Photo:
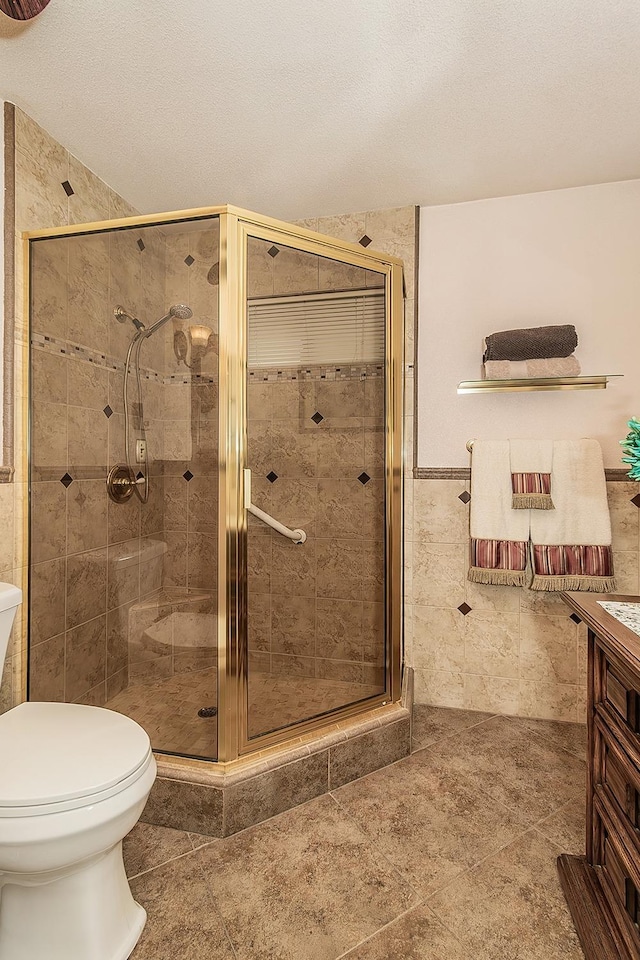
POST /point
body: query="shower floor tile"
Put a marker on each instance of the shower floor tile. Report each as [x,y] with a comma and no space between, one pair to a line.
[342,877]
[168,708]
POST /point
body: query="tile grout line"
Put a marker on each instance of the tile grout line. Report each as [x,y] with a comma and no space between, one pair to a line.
[463,873]
[371,843]
[449,735]
[216,907]
[478,791]
[344,956]
[157,866]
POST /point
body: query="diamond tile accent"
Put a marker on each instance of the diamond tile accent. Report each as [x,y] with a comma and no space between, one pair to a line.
[187,475]
[465,497]
[636,500]
[464,609]
[189,260]
[317,417]
[364,478]
[108,412]
[67,480]
[139,475]
[272,477]
[575,618]
[68,189]
[81,498]
[140,243]
[364,241]
[273,251]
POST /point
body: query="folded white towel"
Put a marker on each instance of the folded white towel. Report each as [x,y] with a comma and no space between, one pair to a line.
[571,545]
[499,534]
[531,474]
[528,369]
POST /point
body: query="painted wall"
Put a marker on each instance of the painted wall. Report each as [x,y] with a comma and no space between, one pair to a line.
[568,256]
[565,256]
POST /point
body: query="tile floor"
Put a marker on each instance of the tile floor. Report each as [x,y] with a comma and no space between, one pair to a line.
[168,708]
[446,855]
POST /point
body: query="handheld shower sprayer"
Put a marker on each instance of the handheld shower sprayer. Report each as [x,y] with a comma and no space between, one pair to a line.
[179,311]
[123,480]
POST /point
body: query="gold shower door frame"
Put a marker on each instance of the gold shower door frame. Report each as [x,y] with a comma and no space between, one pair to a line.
[236,226]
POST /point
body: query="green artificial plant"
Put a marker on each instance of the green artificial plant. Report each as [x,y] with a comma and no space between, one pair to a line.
[631,445]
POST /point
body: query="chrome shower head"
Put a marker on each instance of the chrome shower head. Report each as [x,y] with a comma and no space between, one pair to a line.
[180,311]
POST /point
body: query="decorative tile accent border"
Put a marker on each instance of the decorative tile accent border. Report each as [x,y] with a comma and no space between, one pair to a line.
[612,474]
[364,371]
[66,348]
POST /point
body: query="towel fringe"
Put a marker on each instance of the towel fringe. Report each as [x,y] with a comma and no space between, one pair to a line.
[505,578]
[532,501]
[584,584]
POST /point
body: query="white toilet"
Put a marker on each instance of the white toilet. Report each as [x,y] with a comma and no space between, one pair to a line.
[73,782]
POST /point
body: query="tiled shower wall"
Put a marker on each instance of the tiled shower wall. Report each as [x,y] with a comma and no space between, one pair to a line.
[52,188]
[316,450]
[92,561]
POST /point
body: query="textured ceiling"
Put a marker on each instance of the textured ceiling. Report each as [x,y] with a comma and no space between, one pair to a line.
[297,108]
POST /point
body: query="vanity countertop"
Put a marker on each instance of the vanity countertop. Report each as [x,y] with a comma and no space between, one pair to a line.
[615,633]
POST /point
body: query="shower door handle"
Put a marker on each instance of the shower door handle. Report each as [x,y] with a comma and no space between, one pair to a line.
[298,536]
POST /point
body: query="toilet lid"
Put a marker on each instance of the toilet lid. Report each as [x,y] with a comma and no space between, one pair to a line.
[52,752]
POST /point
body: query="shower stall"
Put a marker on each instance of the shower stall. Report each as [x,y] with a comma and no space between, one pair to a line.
[215,477]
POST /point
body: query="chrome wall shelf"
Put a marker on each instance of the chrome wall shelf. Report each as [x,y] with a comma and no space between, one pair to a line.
[531,384]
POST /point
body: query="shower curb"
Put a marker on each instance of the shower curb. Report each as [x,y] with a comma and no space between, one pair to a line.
[199,797]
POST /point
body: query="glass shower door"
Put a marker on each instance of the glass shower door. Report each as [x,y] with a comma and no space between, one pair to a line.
[316,454]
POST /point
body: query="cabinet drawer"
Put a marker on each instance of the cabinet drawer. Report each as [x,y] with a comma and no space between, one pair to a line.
[620,883]
[621,697]
[621,788]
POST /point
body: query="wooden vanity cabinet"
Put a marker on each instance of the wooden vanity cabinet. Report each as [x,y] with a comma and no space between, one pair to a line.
[603,888]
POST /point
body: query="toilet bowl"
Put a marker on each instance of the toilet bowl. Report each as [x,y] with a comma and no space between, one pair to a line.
[74,780]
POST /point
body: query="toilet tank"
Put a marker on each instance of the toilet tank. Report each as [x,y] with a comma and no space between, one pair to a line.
[10,599]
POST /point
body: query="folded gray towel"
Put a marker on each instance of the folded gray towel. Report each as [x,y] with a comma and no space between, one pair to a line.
[532,343]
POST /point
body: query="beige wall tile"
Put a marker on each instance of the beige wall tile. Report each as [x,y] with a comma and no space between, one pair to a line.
[440,688]
[395,223]
[626,566]
[439,516]
[438,574]
[347,226]
[493,694]
[492,644]
[548,701]
[548,649]
[439,639]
